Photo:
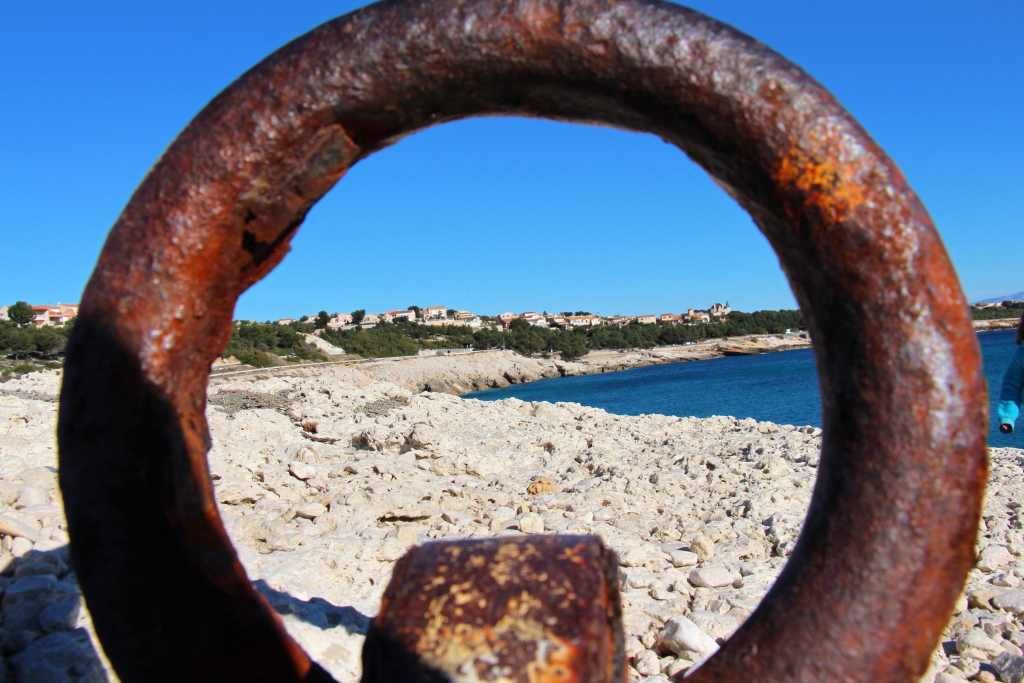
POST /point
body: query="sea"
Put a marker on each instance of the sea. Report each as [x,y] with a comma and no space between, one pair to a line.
[774,387]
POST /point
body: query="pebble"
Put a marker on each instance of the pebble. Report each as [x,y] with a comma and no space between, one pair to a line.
[684,558]
[975,640]
[301,470]
[703,547]
[531,523]
[17,529]
[647,663]
[682,635]
[712,577]
[30,496]
[61,616]
[993,557]
[1011,601]
[1009,667]
[311,510]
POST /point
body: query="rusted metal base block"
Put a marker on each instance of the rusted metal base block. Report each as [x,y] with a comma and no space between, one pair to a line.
[537,609]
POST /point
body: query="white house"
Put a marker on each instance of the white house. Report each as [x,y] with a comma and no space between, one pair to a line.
[720,311]
[434,312]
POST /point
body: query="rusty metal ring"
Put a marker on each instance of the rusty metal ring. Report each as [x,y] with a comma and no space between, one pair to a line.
[890,533]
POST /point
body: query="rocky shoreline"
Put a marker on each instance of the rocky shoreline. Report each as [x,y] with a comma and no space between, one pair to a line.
[324,480]
[459,374]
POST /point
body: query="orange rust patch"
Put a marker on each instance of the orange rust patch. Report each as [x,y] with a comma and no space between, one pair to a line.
[825,183]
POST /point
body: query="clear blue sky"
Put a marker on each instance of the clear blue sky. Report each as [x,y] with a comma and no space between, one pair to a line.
[501,214]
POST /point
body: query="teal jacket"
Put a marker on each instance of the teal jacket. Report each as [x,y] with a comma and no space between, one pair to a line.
[1013,385]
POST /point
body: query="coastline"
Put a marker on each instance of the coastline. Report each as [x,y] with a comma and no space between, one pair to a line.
[495,369]
[480,370]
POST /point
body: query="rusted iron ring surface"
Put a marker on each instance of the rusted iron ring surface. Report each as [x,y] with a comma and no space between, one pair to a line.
[889,537]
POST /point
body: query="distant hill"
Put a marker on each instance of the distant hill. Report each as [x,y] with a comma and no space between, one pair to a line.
[1019,296]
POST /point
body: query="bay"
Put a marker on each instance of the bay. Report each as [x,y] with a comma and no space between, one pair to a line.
[775,387]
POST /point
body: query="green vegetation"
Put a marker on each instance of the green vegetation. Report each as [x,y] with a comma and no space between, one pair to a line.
[1009,309]
[21,343]
[404,338]
[255,344]
[382,341]
[21,314]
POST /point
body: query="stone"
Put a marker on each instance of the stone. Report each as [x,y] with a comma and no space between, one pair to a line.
[1006,581]
[453,517]
[390,550]
[408,534]
[1011,601]
[16,641]
[65,657]
[1009,667]
[677,666]
[30,496]
[642,556]
[683,558]
[37,569]
[711,577]
[285,542]
[301,470]
[28,589]
[17,528]
[944,677]
[647,663]
[967,665]
[633,646]
[975,639]
[718,626]
[500,514]
[311,511]
[703,547]
[980,598]
[682,635]
[531,523]
[236,491]
[542,485]
[61,616]
[993,557]
[21,547]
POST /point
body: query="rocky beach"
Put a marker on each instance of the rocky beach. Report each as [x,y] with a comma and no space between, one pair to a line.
[326,475]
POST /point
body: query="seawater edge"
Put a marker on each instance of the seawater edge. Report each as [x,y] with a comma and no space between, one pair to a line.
[595,362]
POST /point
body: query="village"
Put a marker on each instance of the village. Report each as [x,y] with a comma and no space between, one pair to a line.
[439,315]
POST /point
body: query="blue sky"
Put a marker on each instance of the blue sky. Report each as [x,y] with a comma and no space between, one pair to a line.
[501,214]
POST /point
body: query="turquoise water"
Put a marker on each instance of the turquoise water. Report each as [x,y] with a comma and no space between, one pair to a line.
[775,387]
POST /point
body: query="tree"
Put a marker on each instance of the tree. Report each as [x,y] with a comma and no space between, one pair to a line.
[518,325]
[21,314]
[21,342]
[416,311]
[357,316]
[321,320]
[452,312]
[48,341]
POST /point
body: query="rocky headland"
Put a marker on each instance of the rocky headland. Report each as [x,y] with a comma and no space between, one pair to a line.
[326,477]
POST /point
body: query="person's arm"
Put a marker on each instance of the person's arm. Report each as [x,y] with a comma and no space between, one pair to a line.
[1010,393]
